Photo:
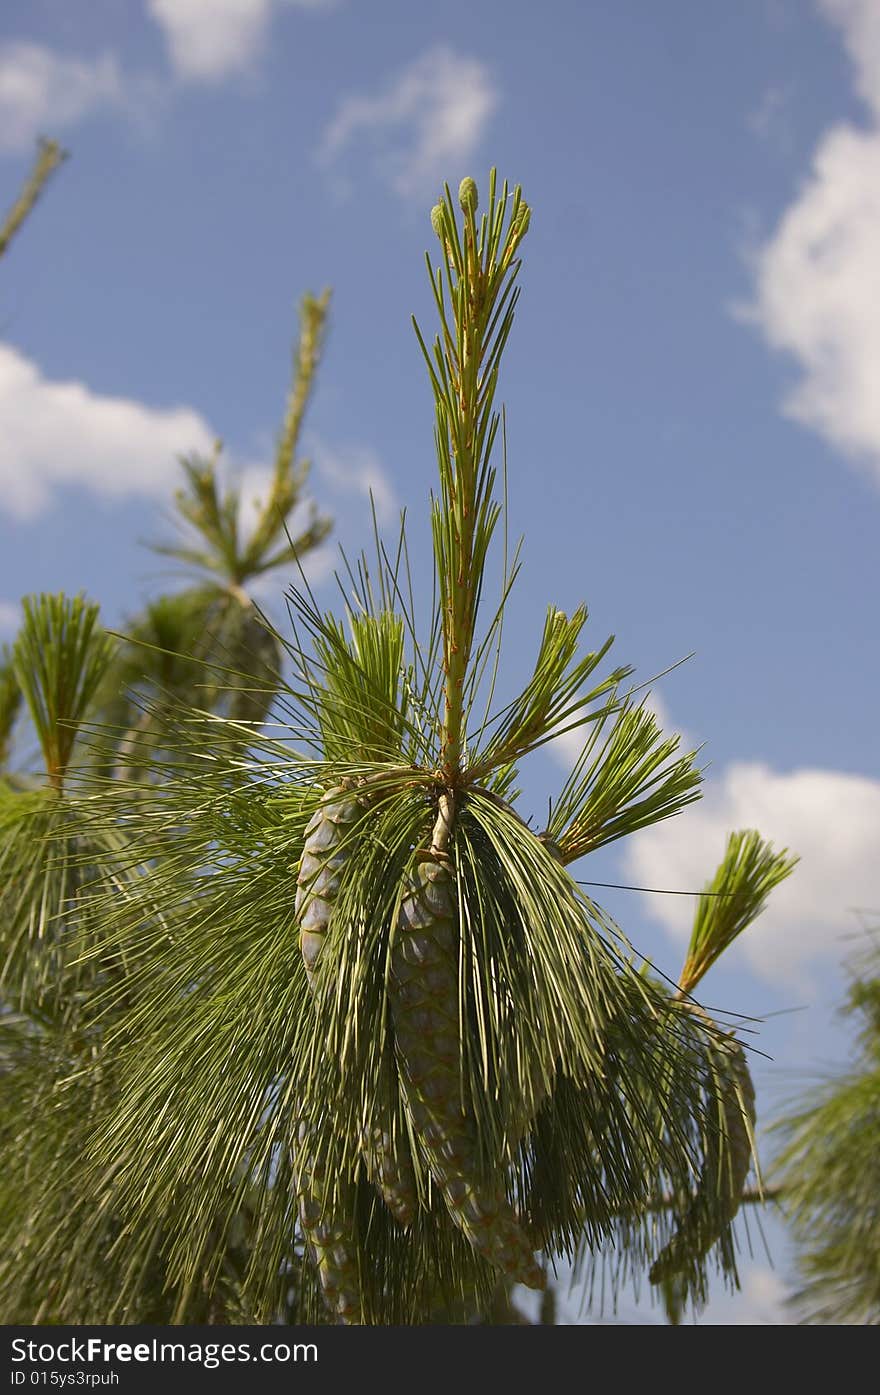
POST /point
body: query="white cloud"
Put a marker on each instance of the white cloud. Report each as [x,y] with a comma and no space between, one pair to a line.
[42,92]
[252,482]
[422,128]
[566,748]
[764,1295]
[356,470]
[771,118]
[817,279]
[62,433]
[761,1301]
[832,820]
[860,22]
[10,614]
[209,39]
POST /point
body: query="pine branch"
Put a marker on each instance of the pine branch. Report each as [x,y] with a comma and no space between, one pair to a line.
[290,474]
[478,274]
[827,1165]
[734,898]
[49,157]
[624,780]
[60,659]
[552,700]
[10,703]
[751,1196]
[212,512]
[340,992]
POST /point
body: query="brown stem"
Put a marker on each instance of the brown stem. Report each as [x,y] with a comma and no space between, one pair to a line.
[752,1196]
[443,826]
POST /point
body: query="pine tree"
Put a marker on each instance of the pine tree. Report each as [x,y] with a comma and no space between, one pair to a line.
[828,1171]
[211,637]
[357,1044]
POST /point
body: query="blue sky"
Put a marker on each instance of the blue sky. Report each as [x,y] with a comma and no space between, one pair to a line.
[693,410]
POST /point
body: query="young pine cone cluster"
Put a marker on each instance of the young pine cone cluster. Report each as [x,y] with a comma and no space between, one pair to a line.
[422,1087]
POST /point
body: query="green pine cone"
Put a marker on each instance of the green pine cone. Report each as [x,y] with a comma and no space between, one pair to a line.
[385,1150]
[424,971]
[328,1233]
[326,849]
[467,195]
[317,884]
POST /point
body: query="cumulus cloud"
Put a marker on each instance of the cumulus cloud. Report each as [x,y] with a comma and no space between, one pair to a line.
[831,819]
[817,278]
[63,433]
[209,39]
[761,1301]
[42,91]
[771,117]
[422,126]
[860,22]
[253,482]
[356,470]
[565,748]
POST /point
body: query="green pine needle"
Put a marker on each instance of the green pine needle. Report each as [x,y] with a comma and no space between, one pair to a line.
[60,659]
[732,900]
[49,157]
[626,778]
[212,513]
[10,704]
[827,1167]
